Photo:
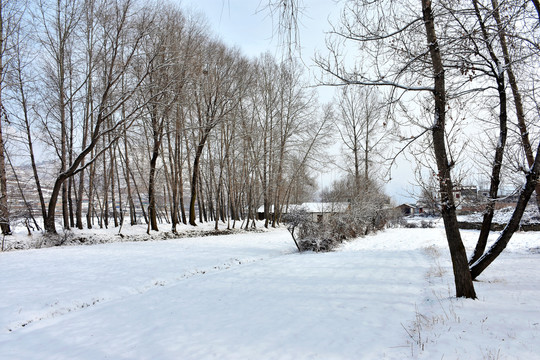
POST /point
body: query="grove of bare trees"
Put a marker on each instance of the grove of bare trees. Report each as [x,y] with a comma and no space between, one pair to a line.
[129,112]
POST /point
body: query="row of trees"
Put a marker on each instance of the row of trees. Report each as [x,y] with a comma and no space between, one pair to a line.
[132,106]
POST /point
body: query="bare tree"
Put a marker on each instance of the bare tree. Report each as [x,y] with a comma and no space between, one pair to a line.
[160,97]
[460,51]
[283,108]
[495,12]
[359,126]
[296,113]
[10,16]
[412,50]
[502,28]
[21,87]
[499,77]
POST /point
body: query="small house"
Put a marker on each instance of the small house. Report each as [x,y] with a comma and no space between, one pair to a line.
[410,210]
[322,211]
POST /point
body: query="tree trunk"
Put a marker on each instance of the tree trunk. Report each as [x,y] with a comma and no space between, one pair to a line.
[537,7]
[126,169]
[88,113]
[499,151]
[113,186]
[105,190]
[4,210]
[462,276]
[29,140]
[152,213]
[71,180]
[195,177]
[172,179]
[90,209]
[117,175]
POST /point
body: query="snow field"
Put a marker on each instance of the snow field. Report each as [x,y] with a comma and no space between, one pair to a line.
[67,278]
[503,323]
[251,296]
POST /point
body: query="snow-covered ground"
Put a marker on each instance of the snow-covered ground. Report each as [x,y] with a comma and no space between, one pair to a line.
[251,296]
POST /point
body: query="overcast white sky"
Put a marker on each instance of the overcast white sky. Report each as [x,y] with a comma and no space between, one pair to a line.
[247,25]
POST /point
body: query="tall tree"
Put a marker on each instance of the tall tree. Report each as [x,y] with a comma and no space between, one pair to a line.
[499,77]
[59,23]
[502,28]
[10,15]
[462,276]
[412,62]
[359,110]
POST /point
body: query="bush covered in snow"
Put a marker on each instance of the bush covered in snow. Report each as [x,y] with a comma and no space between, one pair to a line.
[366,209]
[423,224]
[309,235]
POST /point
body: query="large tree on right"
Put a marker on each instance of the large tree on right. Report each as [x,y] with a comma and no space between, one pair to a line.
[429,56]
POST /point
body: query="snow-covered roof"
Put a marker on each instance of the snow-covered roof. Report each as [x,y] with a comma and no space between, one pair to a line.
[261,209]
[408,205]
[324,207]
[313,207]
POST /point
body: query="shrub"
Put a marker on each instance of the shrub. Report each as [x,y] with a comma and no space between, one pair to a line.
[326,236]
[424,224]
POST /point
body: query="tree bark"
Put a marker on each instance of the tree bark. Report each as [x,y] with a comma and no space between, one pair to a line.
[157,131]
